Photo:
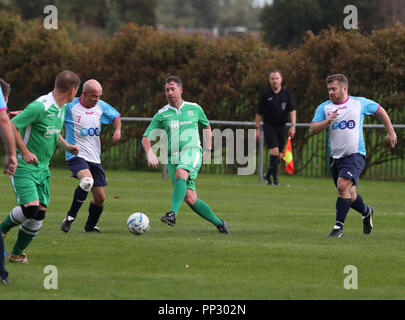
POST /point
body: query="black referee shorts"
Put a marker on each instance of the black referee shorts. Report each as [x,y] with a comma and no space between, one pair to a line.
[275,136]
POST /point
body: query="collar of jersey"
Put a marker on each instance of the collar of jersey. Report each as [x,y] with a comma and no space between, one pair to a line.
[52,99]
[175,109]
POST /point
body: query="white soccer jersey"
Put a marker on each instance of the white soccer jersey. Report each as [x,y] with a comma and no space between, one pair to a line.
[83,128]
[345,134]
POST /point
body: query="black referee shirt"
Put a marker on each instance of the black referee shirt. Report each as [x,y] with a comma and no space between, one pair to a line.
[275,108]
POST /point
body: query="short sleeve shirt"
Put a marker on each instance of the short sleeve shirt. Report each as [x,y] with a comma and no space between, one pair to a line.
[345,134]
[180,126]
[83,128]
[40,124]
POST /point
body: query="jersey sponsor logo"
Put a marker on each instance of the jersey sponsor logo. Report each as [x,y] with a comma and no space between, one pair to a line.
[50,131]
[84,132]
[283,105]
[174,124]
[185,122]
[351,124]
[89,113]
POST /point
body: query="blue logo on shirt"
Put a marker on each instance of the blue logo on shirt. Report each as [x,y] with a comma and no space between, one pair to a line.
[351,124]
[84,132]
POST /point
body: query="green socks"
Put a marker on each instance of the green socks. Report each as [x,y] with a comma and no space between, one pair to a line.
[204,211]
[200,207]
[26,234]
[179,192]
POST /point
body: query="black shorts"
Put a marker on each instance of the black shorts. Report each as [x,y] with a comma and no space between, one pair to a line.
[97,171]
[348,167]
[275,136]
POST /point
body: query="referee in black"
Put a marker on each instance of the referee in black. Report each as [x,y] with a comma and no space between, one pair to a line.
[275,105]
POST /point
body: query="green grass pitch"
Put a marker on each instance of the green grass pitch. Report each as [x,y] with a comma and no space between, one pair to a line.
[277,249]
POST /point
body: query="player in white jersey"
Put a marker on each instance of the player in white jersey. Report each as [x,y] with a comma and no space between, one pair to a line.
[84,117]
[342,118]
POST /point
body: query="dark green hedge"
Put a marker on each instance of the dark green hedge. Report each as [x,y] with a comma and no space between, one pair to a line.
[224,75]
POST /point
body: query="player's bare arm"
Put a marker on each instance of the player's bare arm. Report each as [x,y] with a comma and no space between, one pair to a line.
[258,121]
[318,127]
[153,161]
[293,120]
[10,164]
[117,131]
[382,115]
[73,149]
[207,136]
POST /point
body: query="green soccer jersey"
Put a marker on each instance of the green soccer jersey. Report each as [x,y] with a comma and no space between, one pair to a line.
[180,125]
[40,125]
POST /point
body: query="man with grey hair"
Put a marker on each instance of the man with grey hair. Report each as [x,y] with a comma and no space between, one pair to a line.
[84,117]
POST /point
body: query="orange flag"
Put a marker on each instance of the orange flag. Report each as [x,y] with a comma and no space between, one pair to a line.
[288,157]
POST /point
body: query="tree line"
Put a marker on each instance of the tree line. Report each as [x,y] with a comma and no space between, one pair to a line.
[283,23]
[224,75]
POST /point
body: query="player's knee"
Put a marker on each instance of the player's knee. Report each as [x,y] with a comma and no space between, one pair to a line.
[190,198]
[30,211]
[40,215]
[86,183]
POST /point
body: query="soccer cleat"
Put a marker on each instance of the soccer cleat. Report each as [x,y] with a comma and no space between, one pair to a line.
[276,182]
[267,179]
[18,258]
[94,229]
[223,228]
[368,221]
[336,232]
[5,280]
[169,218]
[67,223]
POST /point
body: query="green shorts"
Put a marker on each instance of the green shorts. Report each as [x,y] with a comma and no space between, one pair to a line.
[190,160]
[30,186]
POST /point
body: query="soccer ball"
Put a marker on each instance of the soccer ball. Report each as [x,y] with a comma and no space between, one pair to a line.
[138,223]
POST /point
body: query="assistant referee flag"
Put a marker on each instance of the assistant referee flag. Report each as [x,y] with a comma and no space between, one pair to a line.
[288,157]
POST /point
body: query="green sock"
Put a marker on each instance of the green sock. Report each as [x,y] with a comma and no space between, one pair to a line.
[26,234]
[179,192]
[7,224]
[204,211]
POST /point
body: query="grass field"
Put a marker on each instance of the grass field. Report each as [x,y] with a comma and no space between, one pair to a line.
[277,249]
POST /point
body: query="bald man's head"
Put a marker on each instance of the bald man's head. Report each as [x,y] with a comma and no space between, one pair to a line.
[91,94]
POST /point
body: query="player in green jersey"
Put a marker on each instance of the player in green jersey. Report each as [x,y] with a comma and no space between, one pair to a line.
[179,121]
[37,131]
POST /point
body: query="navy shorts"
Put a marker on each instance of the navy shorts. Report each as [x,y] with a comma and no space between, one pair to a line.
[275,136]
[348,167]
[97,171]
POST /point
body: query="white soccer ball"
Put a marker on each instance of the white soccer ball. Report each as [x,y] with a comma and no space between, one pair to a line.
[138,223]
